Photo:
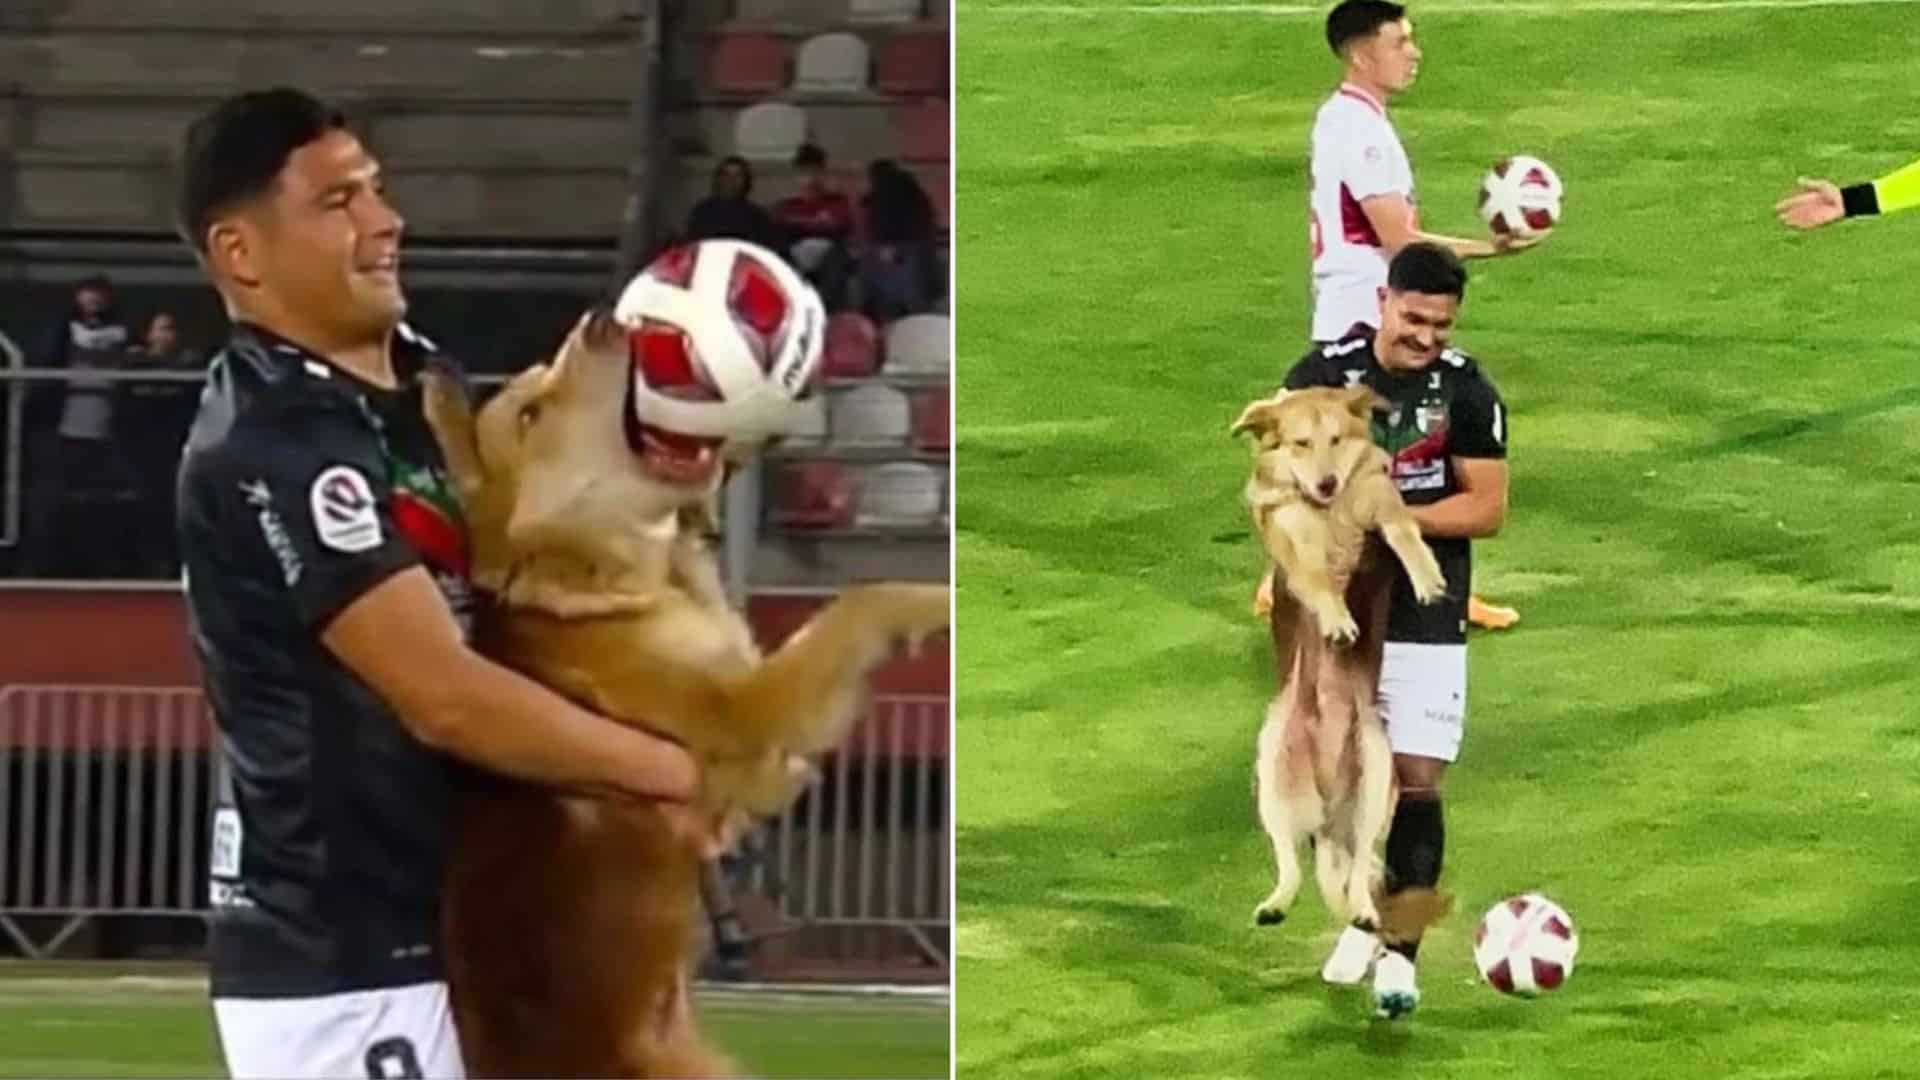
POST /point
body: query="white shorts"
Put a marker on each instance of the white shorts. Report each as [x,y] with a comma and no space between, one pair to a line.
[402,1031]
[1423,698]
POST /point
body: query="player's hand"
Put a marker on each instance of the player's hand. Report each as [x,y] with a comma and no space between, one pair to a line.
[1514,243]
[1817,203]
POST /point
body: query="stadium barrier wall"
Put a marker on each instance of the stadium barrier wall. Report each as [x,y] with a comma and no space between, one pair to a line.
[106,793]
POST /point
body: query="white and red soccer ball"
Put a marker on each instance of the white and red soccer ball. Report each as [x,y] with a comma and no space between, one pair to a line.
[726,340]
[1525,945]
[1521,196]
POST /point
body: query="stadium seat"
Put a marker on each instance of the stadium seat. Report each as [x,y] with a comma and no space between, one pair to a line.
[883,11]
[871,415]
[920,345]
[769,132]
[912,64]
[933,419]
[920,131]
[811,495]
[852,348]
[831,64]
[899,494]
[749,64]
[811,428]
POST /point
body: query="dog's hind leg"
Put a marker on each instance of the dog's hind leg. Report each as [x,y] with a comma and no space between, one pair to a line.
[1332,860]
[1276,816]
[1369,818]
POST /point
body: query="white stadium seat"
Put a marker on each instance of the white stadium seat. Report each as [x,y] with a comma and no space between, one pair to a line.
[899,494]
[872,415]
[769,132]
[831,64]
[920,345]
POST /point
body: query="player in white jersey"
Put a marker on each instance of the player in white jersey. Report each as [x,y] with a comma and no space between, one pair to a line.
[1362,209]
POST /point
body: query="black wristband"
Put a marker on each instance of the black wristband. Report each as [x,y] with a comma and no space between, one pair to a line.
[1859,200]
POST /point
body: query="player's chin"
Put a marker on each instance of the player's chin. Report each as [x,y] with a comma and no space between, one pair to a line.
[380,301]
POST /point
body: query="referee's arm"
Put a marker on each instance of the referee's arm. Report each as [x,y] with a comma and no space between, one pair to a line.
[1894,191]
[1821,202]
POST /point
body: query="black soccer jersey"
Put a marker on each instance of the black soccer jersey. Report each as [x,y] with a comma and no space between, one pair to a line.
[1448,410]
[302,488]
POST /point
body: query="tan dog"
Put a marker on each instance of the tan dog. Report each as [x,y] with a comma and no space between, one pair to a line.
[1323,769]
[570,921]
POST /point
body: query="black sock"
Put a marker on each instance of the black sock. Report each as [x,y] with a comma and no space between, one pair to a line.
[1414,847]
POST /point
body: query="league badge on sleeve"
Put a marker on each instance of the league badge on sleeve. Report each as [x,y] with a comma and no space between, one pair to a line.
[345,513]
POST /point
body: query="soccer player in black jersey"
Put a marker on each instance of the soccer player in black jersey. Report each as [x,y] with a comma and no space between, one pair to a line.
[1446,429]
[325,573]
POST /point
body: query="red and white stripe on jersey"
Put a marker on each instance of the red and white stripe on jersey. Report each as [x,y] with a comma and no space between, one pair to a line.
[1355,155]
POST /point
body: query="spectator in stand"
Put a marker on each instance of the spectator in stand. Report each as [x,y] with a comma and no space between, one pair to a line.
[156,416]
[729,211]
[898,274]
[818,228]
[79,477]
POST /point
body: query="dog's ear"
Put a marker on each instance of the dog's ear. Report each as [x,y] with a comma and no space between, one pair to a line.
[1362,400]
[450,418]
[1258,415]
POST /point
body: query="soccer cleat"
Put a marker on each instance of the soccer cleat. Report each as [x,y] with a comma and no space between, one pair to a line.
[1352,955]
[1490,616]
[1394,992]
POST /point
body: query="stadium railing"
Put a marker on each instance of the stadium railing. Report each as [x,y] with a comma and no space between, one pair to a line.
[106,793]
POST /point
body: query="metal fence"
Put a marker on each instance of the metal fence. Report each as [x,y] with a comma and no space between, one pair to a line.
[106,794]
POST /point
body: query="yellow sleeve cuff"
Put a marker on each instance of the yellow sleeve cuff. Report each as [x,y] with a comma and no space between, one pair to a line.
[1898,190]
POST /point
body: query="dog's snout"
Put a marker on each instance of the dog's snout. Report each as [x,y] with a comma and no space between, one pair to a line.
[1329,485]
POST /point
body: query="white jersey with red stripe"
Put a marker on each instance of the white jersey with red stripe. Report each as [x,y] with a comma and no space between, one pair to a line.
[1356,155]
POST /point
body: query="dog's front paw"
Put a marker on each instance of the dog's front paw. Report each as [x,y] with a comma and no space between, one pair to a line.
[1337,625]
[911,614]
[1429,587]
[1268,915]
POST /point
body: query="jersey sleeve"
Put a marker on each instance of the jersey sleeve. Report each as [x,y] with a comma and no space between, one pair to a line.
[1479,421]
[310,506]
[1367,157]
[1310,370]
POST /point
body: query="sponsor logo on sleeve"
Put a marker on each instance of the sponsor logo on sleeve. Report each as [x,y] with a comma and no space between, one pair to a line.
[345,514]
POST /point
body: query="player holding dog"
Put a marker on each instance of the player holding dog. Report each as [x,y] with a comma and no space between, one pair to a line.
[325,587]
[1445,428]
[1362,209]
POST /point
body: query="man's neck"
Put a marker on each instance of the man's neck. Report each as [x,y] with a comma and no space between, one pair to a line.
[1366,86]
[369,361]
[372,363]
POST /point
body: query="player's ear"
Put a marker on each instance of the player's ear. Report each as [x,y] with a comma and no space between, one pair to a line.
[1258,416]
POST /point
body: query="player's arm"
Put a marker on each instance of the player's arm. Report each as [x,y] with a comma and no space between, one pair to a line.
[311,519]
[402,641]
[1392,219]
[1474,512]
[1477,451]
[1821,202]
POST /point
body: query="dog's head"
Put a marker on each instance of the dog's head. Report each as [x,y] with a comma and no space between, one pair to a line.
[557,459]
[1312,439]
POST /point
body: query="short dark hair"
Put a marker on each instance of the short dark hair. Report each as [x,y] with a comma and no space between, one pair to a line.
[809,156]
[1352,20]
[93,282]
[1424,267]
[236,152]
